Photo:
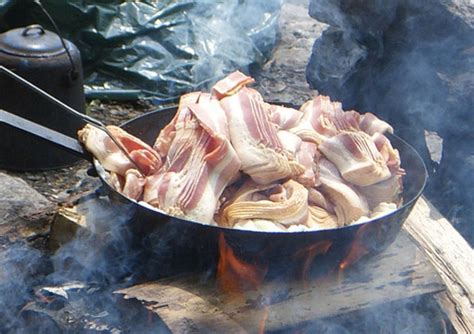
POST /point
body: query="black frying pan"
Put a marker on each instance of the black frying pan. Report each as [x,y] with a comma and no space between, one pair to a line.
[278,250]
[282,251]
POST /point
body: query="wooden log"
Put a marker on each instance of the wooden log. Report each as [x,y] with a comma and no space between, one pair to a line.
[182,308]
[453,259]
[400,272]
[66,223]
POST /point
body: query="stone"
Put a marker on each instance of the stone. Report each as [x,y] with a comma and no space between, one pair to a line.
[25,214]
[411,62]
[25,223]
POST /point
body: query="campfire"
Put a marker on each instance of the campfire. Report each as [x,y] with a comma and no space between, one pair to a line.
[296,214]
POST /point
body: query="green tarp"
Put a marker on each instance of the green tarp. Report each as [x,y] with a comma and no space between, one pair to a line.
[156,49]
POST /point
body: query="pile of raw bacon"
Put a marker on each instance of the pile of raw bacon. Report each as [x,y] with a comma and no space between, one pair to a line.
[231,159]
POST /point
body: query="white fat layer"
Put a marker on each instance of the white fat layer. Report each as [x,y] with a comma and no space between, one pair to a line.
[290,141]
[261,225]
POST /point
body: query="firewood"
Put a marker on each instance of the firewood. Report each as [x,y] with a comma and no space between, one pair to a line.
[453,259]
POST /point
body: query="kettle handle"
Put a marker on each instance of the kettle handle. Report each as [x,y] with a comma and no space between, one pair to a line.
[74,74]
[37,27]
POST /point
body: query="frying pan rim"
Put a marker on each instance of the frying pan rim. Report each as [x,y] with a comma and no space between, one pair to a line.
[101,172]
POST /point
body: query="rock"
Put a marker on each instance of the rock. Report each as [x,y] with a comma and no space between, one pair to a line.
[412,63]
[25,215]
[25,222]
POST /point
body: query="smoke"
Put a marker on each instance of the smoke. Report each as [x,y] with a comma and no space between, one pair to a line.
[417,315]
[415,71]
[72,289]
[231,35]
[20,268]
[102,252]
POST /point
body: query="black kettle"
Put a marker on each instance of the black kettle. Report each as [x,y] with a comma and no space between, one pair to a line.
[39,56]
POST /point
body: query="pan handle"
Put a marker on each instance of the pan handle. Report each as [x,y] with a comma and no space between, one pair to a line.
[64,142]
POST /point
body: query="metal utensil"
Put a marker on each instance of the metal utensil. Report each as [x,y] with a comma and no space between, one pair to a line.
[70,144]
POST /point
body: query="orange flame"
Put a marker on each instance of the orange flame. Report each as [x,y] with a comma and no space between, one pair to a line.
[235,276]
[358,249]
[263,321]
[308,254]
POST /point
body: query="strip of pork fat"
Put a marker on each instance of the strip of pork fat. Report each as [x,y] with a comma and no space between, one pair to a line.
[387,191]
[231,84]
[323,119]
[124,177]
[255,139]
[283,204]
[285,118]
[356,157]
[371,124]
[111,157]
[167,134]
[349,205]
[200,162]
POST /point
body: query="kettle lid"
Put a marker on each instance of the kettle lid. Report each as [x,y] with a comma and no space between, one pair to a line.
[32,41]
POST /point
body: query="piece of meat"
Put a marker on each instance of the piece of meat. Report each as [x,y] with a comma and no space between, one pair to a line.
[260,225]
[166,136]
[116,181]
[111,157]
[390,155]
[255,139]
[357,158]
[316,198]
[285,204]
[131,185]
[311,114]
[387,191]
[383,209]
[290,142]
[349,205]
[231,84]
[284,117]
[321,219]
[371,124]
[308,156]
[200,162]
[323,119]
[134,183]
